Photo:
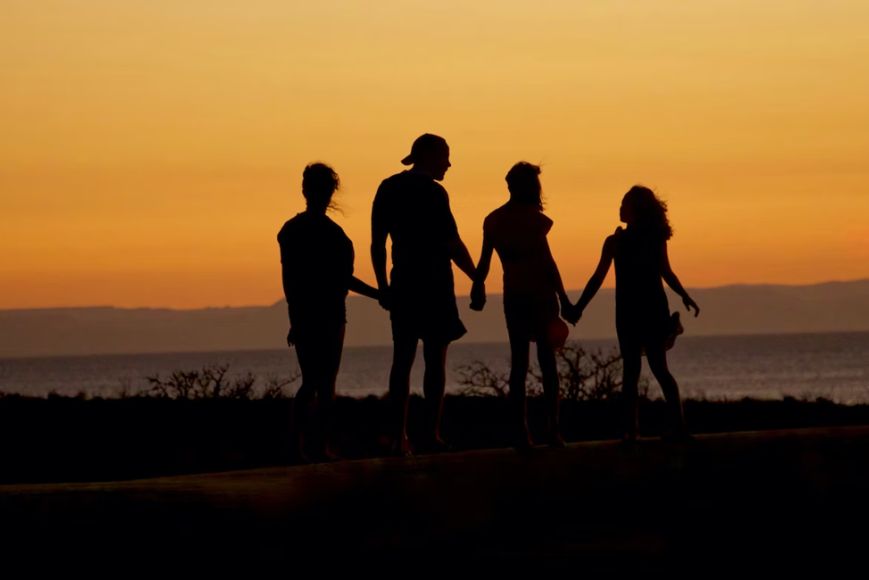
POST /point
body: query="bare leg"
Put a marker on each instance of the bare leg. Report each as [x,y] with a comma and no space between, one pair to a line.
[331,359]
[433,384]
[657,357]
[319,359]
[403,354]
[519,350]
[304,397]
[631,365]
[549,370]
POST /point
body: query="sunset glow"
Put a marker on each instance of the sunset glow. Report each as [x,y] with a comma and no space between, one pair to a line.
[152,149]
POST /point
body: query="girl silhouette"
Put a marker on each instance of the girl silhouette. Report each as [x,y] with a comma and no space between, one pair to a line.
[317,272]
[643,320]
[532,290]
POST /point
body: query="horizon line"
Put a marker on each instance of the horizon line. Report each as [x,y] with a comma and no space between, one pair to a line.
[280,300]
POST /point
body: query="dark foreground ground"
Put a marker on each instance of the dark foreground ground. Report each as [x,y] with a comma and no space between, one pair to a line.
[62,439]
[731,503]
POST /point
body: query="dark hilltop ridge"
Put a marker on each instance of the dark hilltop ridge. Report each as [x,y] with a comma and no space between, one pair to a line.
[727,310]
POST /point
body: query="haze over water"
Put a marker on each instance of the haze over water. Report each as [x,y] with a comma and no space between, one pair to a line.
[832,366]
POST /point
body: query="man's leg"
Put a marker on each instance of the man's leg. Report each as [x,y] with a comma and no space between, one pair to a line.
[434,383]
[403,353]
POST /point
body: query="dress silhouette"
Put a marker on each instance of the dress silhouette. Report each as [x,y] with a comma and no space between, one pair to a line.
[644,324]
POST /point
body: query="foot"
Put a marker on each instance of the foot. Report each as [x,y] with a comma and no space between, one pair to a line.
[327,455]
[401,448]
[522,438]
[679,436]
[556,441]
[438,445]
[301,455]
[629,439]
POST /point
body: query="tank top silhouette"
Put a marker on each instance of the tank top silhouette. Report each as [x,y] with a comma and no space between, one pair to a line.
[518,233]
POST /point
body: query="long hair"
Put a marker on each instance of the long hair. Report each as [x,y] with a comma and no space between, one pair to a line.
[649,212]
[523,181]
[319,183]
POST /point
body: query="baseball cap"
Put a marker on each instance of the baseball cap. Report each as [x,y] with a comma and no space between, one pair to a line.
[423,145]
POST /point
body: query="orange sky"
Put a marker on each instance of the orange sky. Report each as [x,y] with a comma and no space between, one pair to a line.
[152,149]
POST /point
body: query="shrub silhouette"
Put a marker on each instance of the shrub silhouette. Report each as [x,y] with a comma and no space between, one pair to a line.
[213,382]
[582,375]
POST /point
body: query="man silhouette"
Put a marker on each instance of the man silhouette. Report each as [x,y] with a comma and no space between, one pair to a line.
[413,209]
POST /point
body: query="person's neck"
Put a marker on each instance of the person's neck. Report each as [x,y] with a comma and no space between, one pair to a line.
[422,171]
[315,210]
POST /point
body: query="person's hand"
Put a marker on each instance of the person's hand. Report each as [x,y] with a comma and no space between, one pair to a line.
[566,308]
[576,314]
[478,296]
[291,338]
[570,313]
[384,298]
[689,304]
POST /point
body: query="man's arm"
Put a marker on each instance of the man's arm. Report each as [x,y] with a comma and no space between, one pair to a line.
[379,232]
[478,290]
[460,255]
[360,287]
[285,283]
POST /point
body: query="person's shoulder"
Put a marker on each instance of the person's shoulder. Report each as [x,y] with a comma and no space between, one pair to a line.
[495,217]
[290,226]
[397,180]
[499,212]
[437,186]
[531,218]
[336,229]
[613,239]
[391,185]
[331,224]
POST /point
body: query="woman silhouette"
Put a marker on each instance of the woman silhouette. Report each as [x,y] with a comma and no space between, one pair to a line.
[317,272]
[643,320]
[532,290]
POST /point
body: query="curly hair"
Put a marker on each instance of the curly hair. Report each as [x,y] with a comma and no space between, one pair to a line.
[649,211]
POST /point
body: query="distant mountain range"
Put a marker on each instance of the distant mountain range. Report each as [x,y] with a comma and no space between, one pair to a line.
[738,309]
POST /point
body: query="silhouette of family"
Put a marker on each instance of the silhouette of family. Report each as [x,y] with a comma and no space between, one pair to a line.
[412,209]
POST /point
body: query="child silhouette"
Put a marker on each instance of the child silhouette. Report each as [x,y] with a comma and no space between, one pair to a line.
[643,319]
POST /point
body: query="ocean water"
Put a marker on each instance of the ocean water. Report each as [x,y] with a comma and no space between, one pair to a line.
[830,365]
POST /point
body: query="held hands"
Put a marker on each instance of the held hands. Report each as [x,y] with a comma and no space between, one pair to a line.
[569,312]
[384,298]
[478,296]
